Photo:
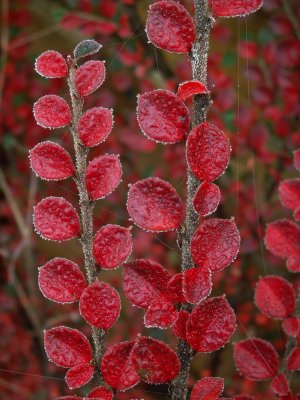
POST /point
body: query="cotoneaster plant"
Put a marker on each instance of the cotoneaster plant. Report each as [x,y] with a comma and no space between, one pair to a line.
[255,358]
[202,323]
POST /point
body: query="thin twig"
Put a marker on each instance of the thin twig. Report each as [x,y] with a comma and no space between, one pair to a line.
[199,55]
[86,206]
[14,207]
[4,44]
[292,17]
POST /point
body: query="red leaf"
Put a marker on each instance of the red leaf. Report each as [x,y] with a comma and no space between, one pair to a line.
[170,27]
[61,280]
[51,161]
[179,327]
[280,385]
[297,159]
[293,361]
[208,152]
[112,246]
[234,8]
[197,284]
[296,214]
[52,111]
[161,314]
[100,305]
[67,347]
[56,219]
[210,325]
[293,264]
[206,199]
[117,368]
[162,116]
[175,290]
[101,393]
[68,398]
[154,361]
[275,297]
[103,175]
[207,389]
[79,375]
[144,281]
[191,88]
[95,125]
[51,64]
[289,193]
[215,243]
[89,77]
[154,205]
[283,238]
[256,359]
[291,326]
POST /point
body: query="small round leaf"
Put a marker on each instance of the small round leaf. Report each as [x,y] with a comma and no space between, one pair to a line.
[51,64]
[154,205]
[52,111]
[170,27]
[100,305]
[67,347]
[56,219]
[112,246]
[89,77]
[103,176]
[61,280]
[95,125]
[51,161]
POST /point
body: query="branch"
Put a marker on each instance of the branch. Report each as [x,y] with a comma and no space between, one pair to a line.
[199,55]
[86,206]
[292,17]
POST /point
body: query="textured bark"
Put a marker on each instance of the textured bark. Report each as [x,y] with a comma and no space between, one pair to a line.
[86,207]
[199,55]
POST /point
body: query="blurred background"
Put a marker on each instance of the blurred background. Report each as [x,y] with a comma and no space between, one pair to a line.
[254,78]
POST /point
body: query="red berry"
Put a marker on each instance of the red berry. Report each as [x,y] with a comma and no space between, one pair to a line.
[79,375]
[112,246]
[144,281]
[162,116]
[100,305]
[51,161]
[191,88]
[255,359]
[56,219]
[89,77]
[154,205]
[197,284]
[154,361]
[67,347]
[275,297]
[234,8]
[95,125]
[170,27]
[208,152]
[51,64]
[52,111]
[206,199]
[117,368]
[210,325]
[208,388]
[103,176]
[215,243]
[61,280]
